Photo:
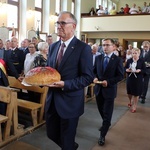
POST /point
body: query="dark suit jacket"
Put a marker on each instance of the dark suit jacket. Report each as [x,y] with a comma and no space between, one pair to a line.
[113,74]
[76,70]
[9,65]
[18,58]
[146,59]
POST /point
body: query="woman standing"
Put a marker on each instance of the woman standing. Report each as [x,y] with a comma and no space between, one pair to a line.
[28,63]
[135,67]
[41,59]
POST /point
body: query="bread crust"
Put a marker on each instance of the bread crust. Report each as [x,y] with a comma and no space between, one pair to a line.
[42,76]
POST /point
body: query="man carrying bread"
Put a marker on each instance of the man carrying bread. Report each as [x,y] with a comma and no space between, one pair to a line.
[65,99]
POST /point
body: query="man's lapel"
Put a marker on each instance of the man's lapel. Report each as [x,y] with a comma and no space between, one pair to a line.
[56,49]
[68,51]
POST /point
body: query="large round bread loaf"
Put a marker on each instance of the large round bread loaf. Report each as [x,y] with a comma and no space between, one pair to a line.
[42,76]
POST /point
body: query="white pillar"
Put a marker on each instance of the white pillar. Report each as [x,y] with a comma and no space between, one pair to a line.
[46,14]
[78,16]
[66,5]
[22,20]
[52,17]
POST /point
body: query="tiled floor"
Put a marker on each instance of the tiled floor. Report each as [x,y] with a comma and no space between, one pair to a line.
[90,121]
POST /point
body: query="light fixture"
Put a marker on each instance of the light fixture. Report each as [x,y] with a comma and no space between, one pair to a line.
[54,17]
[97,27]
[30,12]
[56,14]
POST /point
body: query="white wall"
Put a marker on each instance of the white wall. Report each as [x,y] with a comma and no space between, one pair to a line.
[116,23]
[86,5]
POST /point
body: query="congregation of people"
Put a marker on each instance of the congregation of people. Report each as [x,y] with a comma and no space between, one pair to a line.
[110,65]
[31,53]
[129,56]
[136,67]
[134,9]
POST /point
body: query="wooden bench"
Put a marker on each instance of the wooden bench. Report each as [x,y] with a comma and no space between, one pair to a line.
[91,88]
[36,110]
[9,97]
[31,107]
[3,119]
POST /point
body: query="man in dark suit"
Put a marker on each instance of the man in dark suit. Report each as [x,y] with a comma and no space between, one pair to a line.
[5,63]
[65,99]
[145,54]
[26,44]
[108,70]
[17,56]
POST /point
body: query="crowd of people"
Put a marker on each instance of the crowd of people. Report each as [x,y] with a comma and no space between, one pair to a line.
[19,60]
[79,65]
[123,10]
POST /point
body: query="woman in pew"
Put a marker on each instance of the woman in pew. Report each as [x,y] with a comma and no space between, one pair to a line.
[28,65]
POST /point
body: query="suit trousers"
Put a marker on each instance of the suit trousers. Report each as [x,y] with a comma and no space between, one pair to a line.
[105,107]
[61,131]
[145,86]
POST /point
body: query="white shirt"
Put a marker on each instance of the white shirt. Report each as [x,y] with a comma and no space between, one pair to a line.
[100,12]
[28,63]
[133,10]
[67,43]
[109,55]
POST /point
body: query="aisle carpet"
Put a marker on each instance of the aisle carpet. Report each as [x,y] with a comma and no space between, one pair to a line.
[20,146]
[130,132]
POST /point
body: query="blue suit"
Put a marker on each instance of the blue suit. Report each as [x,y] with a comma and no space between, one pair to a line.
[105,96]
[76,70]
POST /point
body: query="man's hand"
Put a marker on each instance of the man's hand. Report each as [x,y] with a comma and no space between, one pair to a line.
[20,78]
[59,84]
[104,83]
[138,70]
[95,80]
[128,70]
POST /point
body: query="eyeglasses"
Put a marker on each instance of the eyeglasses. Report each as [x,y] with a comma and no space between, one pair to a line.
[31,47]
[106,45]
[62,23]
[145,46]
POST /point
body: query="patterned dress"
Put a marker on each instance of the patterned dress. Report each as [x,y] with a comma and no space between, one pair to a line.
[39,61]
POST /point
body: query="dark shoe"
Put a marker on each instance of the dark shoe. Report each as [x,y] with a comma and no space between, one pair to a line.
[76,145]
[143,101]
[101,141]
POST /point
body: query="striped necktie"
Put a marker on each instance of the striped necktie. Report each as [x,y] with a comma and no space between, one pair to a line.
[105,62]
[60,54]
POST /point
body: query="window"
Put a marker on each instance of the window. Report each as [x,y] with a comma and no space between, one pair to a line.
[57,9]
[13,17]
[38,3]
[73,7]
[38,14]
[98,2]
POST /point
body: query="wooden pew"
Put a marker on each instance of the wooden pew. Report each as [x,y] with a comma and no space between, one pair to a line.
[35,109]
[91,88]
[9,97]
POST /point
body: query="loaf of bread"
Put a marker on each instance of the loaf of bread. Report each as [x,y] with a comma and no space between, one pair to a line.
[42,76]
